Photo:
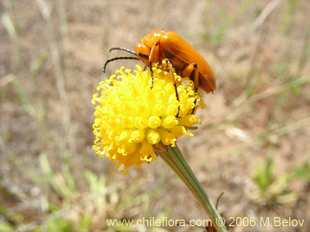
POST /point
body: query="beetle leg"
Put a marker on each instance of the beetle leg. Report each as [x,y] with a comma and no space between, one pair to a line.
[178,99]
[154,54]
[153,58]
[192,72]
[196,77]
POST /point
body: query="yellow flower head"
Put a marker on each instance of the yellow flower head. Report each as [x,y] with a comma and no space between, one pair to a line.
[135,110]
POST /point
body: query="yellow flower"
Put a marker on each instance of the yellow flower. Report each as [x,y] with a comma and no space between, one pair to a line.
[135,110]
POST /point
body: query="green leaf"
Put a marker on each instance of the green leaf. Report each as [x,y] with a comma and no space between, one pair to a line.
[96,185]
[59,225]
[264,176]
[6,227]
[302,172]
[85,223]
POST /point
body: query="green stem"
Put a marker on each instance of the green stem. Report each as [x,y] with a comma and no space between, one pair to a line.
[174,158]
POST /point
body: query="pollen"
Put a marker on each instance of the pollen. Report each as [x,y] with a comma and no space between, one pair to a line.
[137,109]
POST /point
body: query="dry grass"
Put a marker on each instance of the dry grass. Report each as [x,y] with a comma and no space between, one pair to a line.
[51,56]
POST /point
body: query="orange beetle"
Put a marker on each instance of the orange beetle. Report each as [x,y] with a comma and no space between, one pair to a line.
[187,62]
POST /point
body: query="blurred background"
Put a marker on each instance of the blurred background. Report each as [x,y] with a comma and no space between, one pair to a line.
[253,144]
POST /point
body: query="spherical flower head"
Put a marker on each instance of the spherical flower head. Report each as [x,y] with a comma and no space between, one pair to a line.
[135,110]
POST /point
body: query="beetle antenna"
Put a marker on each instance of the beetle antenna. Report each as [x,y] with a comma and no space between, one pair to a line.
[123,49]
[118,58]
